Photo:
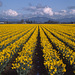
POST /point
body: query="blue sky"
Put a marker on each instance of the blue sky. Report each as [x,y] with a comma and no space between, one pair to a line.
[26,8]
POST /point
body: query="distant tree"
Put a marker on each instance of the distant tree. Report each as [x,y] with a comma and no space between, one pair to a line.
[51,22]
[71,22]
[6,22]
[22,21]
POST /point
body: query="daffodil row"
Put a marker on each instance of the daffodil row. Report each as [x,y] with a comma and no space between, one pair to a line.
[67,53]
[11,40]
[8,36]
[52,60]
[67,29]
[23,62]
[7,53]
[4,30]
[68,41]
[55,29]
[7,29]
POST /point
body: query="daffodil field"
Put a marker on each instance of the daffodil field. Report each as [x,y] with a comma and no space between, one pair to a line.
[37,49]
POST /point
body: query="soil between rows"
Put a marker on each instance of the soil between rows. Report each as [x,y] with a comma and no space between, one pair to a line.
[38,60]
[8,70]
[69,69]
[61,40]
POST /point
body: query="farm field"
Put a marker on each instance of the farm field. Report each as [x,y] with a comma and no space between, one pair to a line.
[37,49]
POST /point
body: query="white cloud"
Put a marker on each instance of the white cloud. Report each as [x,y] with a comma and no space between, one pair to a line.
[62,13]
[72,11]
[39,10]
[42,10]
[48,10]
[10,12]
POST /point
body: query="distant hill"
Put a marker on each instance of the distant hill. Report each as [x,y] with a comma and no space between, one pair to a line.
[45,19]
[3,19]
[39,19]
[66,20]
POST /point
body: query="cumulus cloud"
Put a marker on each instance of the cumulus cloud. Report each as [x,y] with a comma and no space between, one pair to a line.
[0,3]
[44,11]
[33,8]
[72,11]
[10,12]
[62,13]
[48,10]
[39,9]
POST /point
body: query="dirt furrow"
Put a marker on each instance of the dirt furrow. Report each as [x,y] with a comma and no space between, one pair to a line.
[38,60]
[69,69]
[61,40]
[8,70]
